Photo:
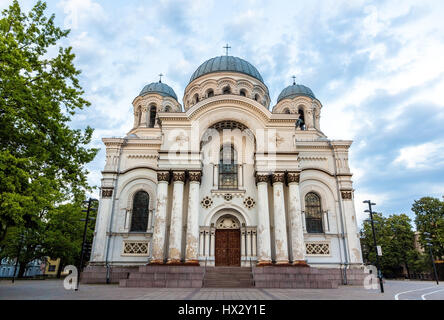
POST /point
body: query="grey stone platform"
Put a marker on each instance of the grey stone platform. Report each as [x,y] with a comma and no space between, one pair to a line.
[167,276]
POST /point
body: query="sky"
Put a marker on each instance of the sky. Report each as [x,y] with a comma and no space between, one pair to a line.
[376,66]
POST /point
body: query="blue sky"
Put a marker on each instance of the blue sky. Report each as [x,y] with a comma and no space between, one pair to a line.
[377,67]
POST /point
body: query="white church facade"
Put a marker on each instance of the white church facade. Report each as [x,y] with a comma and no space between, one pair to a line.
[226,179]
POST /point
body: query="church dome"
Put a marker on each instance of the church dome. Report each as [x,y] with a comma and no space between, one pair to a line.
[226,63]
[159,88]
[296,90]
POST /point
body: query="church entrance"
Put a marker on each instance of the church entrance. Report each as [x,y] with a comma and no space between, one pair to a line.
[227,244]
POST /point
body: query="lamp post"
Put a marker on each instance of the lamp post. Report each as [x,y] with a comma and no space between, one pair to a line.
[370,204]
[429,244]
[82,254]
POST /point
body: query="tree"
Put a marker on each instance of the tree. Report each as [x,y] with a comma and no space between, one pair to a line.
[396,238]
[429,217]
[41,158]
[64,234]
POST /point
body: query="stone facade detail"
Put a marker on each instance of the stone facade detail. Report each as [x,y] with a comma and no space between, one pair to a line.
[346,194]
[163,176]
[107,192]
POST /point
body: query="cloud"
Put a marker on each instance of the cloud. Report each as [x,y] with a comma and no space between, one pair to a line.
[429,155]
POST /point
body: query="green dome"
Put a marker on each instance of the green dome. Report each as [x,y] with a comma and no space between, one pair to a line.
[160,88]
[226,63]
[296,90]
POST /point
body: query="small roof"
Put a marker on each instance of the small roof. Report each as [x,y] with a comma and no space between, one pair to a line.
[296,90]
[160,88]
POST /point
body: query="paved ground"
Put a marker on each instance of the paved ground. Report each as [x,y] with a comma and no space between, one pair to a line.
[54,290]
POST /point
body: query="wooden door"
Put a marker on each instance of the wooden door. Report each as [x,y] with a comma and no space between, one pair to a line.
[227,247]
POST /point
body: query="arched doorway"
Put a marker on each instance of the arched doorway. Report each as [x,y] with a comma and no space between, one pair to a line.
[228,241]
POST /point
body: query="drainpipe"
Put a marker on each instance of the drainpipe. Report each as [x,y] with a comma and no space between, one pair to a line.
[340,211]
[112,213]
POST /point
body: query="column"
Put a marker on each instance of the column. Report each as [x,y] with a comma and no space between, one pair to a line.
[174,253]
[248,243]
[212,239]
[243,244]
[160,218]
[351,227]
[294,212]
[192,239]
[263,227]
[254,244]
[201,243]
[280,226]
[207,242]
[325,222]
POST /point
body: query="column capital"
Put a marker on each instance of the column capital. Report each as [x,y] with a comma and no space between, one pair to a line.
[278,177]
[293,177]
[163,176]
[195,176]
[179,176]
[262,178]
[346,194]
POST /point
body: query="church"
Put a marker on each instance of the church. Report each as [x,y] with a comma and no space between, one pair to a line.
[228,179]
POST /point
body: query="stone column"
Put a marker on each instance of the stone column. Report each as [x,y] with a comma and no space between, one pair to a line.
[248,243]
[207,242]
[192,244]
[201,243]
[263,226]
[280,226]
[351,227]
[174,253]
[294,212]
[212,239]
[254,244]
[243,243]
[160,218]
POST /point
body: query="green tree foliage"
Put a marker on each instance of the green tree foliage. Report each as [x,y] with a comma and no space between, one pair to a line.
[41,158]
[59,234]
[397,240]
[429,217]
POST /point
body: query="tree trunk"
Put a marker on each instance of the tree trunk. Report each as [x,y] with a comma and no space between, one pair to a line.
[59,270]
[22,269]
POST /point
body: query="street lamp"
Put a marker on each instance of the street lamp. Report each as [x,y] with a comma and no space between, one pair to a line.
[370,204]
[82,254]
[429,244]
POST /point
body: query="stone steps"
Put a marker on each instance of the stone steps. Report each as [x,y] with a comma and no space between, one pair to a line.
[228,277]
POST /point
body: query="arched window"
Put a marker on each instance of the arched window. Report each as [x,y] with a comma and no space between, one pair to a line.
[287,111]
[301,120]
[167,109]
[227,167]
[196,98]
[152,117]
[139,219]
[210,93]
[313,213]
[139,116]
[226,90]
[243,93]
[256,97]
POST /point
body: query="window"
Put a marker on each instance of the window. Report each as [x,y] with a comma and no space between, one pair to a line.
[313,213]
[196,98]
[167,109]
[227,168]
[210,93]
[301,121]
[139,115]
[139,220]
[226,90]
[51,268]
[152,117]
[243,93]
[287,111]
[256,97]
